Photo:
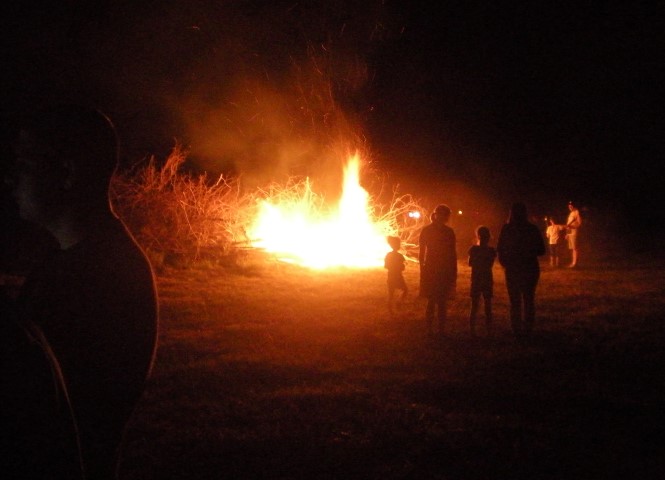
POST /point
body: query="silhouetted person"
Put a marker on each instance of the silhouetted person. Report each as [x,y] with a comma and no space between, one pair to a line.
[38,436]
[395,263]
[519,246]
[438,267]
[573,223]
[95,298]
[481,260]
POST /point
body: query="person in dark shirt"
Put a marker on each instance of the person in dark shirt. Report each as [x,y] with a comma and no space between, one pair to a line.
[519,246]
[481,260]
[438,267]
[94,298]
[394,262]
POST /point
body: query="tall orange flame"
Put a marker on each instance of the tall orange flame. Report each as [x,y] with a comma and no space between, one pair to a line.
[345,236]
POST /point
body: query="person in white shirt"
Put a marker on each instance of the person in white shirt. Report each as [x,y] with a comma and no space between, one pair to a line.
[573,224]
[554,236]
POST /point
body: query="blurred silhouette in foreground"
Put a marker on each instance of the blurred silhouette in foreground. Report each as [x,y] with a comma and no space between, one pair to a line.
[519,246]
[38,436]
[94,299]
[438,267]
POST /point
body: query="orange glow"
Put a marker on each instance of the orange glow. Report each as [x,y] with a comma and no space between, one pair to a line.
[299,230]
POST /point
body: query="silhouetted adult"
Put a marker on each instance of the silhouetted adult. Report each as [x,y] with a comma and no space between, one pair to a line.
[95,298]
[38,436]
[438,266]
[519,246]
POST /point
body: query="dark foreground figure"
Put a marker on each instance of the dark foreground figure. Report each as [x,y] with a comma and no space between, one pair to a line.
[438,267]
[94,299]
[519,246]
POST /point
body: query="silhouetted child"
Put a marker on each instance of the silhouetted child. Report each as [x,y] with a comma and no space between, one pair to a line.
[395,264]
[554,233]
[481,260]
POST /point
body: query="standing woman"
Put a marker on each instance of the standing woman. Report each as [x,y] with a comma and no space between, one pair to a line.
[519,246]
[438,267]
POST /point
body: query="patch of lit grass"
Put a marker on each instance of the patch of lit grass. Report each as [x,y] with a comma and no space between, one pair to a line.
[292,373]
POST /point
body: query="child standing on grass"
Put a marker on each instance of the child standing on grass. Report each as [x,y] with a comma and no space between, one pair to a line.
[395,264]
[554,234]
[481,260]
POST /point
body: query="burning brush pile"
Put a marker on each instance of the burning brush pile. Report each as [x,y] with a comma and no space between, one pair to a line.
[176,214]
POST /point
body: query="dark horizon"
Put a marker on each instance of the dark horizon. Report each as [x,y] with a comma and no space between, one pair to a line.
[537,102]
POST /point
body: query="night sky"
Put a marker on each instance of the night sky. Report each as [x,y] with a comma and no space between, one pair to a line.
[538,101]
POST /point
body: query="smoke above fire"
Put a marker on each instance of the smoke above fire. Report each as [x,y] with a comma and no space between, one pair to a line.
[268,131]
[262,90]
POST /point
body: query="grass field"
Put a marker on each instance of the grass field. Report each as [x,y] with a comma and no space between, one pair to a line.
[267,370]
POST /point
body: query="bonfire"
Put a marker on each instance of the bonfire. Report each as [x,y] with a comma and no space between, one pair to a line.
[174,212]
[301,228]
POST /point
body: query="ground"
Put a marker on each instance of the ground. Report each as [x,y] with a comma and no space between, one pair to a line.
[267,370]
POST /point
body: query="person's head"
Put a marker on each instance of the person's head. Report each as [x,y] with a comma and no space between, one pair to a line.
[551,221]
[518,213]
[442,213]
[483,235]
[394,242]
[571,205]
[65,157]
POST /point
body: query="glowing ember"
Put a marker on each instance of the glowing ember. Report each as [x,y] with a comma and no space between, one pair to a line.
[347,236]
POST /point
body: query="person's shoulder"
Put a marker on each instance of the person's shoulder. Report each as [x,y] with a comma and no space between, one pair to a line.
[504,230]
[447,231]
[533,229]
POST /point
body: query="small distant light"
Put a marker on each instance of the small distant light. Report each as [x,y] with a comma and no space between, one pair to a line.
[459,212]
[414,214]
